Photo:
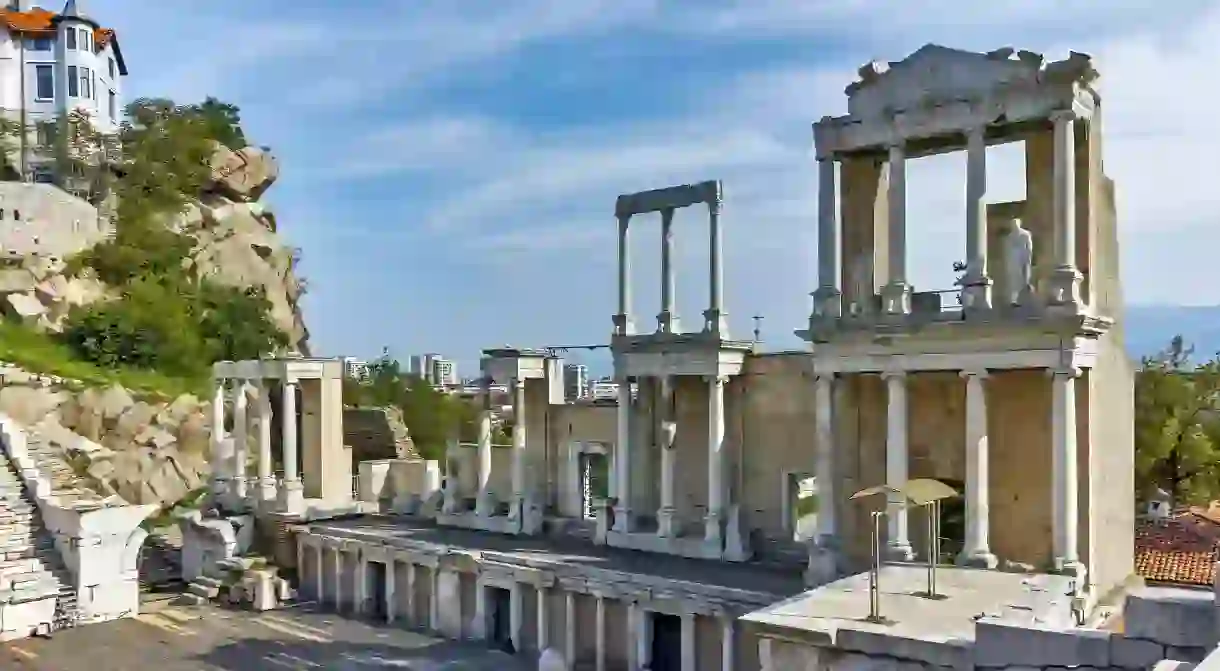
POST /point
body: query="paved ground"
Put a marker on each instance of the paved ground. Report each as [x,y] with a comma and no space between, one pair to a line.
[171,638]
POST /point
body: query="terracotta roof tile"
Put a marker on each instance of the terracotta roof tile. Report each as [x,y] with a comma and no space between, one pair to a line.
[37,22]
[1176,550]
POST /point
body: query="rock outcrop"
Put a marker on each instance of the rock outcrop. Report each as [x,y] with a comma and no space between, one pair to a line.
[236,244]
[377,433]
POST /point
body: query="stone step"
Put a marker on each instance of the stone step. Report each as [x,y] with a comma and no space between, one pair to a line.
[210,582]
[203,591]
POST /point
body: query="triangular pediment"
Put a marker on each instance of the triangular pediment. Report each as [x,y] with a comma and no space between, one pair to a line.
[936,73]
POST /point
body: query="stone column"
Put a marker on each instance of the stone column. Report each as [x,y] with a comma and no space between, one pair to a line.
[434,601]
[827,299]
[483,502]
[976,550]
[569,625]
[220,465]
[544,619]
[896,461]
[391,600]
[516,388]
[266,472]
[665,514]
[516,616]
[1064,470]
[689,649]
[728,644]
[241,456]
[338,579]
[896,294]
[634,661]
[622,320]
[713,533]
[361,588]
[319,582]
[410,610]
[622,458]
[976,283]
[1064,282]
[292,496]
[715,315]
[480,609]
[600,632]
[824,551]
[667,320]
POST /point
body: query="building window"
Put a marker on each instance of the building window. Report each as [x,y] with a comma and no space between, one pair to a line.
[73,82]
[114,106]
[42,175]
[87,40]
[45,135]
[111,69]
[84,83]
[40,44]
[93,83]
[44,82]
[70,36]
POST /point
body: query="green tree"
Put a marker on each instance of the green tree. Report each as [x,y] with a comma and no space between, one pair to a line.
[223,122]
[1177,430]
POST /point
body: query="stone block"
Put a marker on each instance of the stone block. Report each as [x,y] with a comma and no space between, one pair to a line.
[1193,655]
[1172,616]
[1000,644]
[1134,653]
[952,654]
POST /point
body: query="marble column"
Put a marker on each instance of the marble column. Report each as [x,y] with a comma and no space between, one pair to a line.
[391,599]
[1064,282]
[220,461]
[728,644]
[1064,471]
[976,283]
[544,619]
[434,600]
[569,625]
[338,579]
[319,576]
[362,586]
[292,496]
[266,470]
[715,315]
[241,455]
[824,468]
[516,616]
[622,320]
[827,299]
[689,648]
[622,458]
[635,660]
[480,609]
[896,294]
[665,514]
[713,522]
[976,550]
[600,633]
[667,320]
[896,462]
[410,609]
[516,387]
[483,504]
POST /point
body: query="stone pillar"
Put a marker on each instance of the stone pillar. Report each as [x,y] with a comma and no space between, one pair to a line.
[361,588]
[728,644]
[715,315]
[713,522]
[319,582]
[391,600]
[480,609]
[544,619]
[338,579]
[292,496]
[569,625]
[896,295]
[1064,470]
[689,649]
[634,662]
[1064,282]
[827,299]
[220,465]
[266,472]
[622,320]
[516,617]
[976,550]
[622,458]
[667,320]
[976,283]
[896,461]
[824,552]
[483,502]
[410,609]
[516,388]
[642,636]
[434,601]
[665,514]
[241,456]
[600,632]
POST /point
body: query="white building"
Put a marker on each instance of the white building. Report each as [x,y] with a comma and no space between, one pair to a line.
[53,63]
[435,369]
[575,381]
[354,368]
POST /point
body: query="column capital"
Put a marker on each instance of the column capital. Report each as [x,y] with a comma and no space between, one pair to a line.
[717,379]
[889,375]
[824,376]
[1063,115]
[624,219]
[1066,371]
[667,215]
[896,148]
[978,373]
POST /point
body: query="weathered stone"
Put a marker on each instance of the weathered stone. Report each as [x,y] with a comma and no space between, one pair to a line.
[244,174]
[1186,654]
[1134,653]
[935,653]
[1171,616]
[999,643]
[26,307]
[29,405]
[113,402]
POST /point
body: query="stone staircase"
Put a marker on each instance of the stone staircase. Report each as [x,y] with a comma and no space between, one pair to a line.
[66,485]
[31,568]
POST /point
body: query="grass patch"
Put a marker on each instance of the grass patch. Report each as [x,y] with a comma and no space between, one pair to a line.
[41,354]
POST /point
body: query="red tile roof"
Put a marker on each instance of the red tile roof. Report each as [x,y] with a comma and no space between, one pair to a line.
[38,22]
[1180,550]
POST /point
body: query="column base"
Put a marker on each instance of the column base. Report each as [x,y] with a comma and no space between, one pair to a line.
[292,497]
[484,504]
[1063,289]
[979,558]
[896,298]
[623,325]
[622,519]
[976,293]
[716,321]
[665,522]
[1075,569]
[901,552]
[713,529]
[266,490]
[827,303]
[824,562]
[668,322]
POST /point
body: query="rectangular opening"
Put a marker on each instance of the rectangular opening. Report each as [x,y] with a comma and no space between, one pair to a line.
[594,482]
[374,590]
[665,648]
[801,505]
[499,615]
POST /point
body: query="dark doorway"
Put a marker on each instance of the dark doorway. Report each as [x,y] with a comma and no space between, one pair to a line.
[666,645]
[500,631]
[374,591]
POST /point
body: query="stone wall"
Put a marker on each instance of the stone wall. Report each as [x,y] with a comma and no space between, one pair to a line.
[377,433]
[42,219]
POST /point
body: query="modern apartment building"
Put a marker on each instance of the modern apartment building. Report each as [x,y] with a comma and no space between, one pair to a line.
[575,381]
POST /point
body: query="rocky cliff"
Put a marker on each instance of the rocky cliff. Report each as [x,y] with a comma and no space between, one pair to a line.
[236,244]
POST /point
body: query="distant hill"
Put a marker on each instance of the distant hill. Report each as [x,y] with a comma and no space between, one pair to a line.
[1150,327]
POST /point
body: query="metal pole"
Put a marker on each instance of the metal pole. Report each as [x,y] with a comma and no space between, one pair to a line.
[929,508]
[874,573]
[935,544]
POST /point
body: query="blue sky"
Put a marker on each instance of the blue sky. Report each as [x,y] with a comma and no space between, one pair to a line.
[449,167]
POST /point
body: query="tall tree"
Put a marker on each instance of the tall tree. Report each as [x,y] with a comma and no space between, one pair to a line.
[1177,425]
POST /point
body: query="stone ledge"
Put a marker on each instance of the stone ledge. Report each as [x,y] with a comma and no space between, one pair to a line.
[1179,617]
[1003,644]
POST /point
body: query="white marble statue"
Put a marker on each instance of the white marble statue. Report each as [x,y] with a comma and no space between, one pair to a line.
[1018,262]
